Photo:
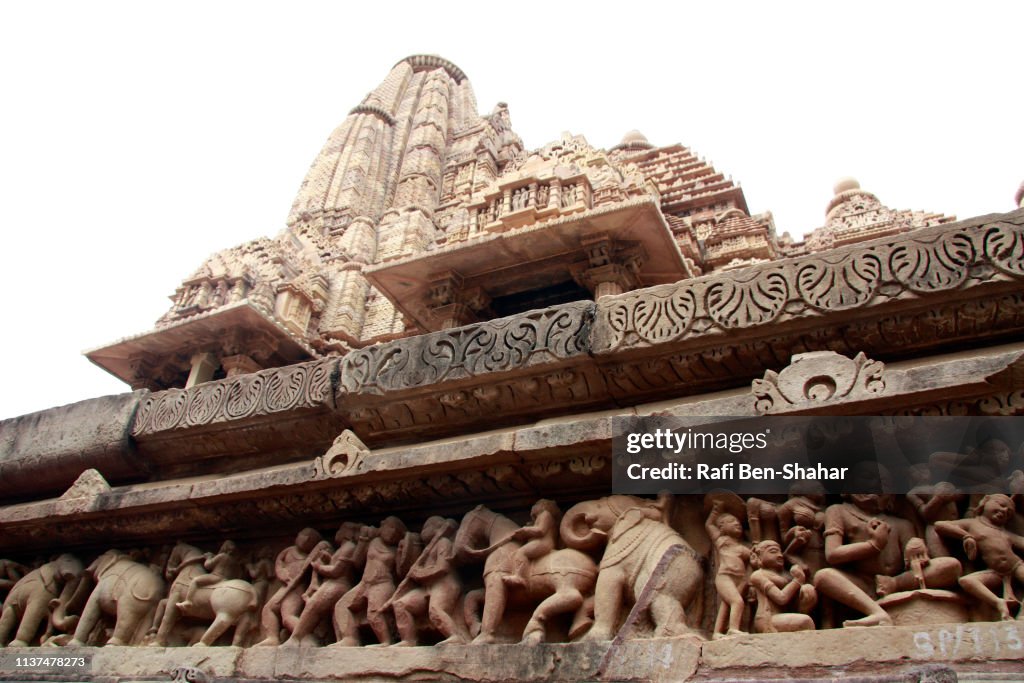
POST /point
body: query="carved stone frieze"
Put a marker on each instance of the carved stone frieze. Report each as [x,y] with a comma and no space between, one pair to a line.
[917,265]
[277,390]
[504,345]
[1003,403]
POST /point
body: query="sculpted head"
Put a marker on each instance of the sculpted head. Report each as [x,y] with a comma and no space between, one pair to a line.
[996,508]
[729,525]
[348,531]
[307,539]
[767,555]
[545,505]
[392,529]
[432,527]
[812,490]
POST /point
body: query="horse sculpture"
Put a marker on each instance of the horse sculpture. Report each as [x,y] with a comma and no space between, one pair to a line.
[228,603]
[562,580]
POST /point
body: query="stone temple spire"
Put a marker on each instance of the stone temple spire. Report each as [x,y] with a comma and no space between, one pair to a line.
[387,154]
[371,194]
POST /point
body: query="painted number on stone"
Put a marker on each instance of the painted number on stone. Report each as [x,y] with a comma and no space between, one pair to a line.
[970,640]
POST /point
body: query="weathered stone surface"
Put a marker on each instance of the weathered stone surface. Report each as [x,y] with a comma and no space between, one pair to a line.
[652,660]
[866,647]
[45,452]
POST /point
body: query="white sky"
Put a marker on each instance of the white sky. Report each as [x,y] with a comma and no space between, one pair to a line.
[138,138]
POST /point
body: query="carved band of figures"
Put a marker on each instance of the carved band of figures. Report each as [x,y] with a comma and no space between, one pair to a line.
[931,261]
[607,567]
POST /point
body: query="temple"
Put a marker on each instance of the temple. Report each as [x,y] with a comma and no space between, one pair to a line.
[392,424]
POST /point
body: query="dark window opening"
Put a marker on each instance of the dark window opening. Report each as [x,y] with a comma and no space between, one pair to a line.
[560,293]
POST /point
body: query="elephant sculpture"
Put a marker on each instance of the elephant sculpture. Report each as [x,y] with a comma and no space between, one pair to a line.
[125,589]
[227,603]
[562,581]
[32,598]
[637,540]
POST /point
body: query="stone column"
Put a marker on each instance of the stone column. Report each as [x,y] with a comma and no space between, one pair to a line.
[204,364]
[555,194]
[239,364]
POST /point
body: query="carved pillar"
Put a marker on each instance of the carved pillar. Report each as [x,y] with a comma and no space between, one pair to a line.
[555,195]
[453,304]
[204,364]
[609,269]
[142,373]
[239,364]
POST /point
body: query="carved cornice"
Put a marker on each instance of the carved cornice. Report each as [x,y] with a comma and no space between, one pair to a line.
[550,335]
[926,264]
[277,390]
[920,294]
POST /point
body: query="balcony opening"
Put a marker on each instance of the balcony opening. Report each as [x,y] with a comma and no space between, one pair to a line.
[559,293]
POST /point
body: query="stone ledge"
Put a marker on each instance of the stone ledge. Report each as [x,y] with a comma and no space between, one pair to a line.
[44,452]
[995,648]
[568,454]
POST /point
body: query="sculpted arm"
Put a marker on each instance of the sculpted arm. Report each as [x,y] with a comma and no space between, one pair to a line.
[437,565]
[281,565]
[544,526]
[711,525]
[959,528]
[837,553]
[780,596]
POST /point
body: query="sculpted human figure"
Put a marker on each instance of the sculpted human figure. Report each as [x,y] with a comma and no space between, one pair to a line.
[762,518]
[934,503]
[802,522]
[776,593]
[558,582]
[731,556]
[540,537]
[436,587]
[261,571]
[986,533]
[290,567]
[224,566]
[337,575]
[374,589]
[184,562]
[864,546]
[29,602]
